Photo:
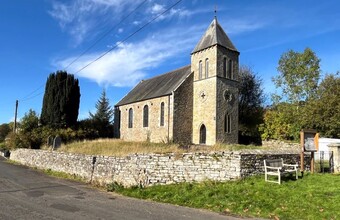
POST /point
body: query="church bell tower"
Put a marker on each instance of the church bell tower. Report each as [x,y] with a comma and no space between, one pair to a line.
[215,65]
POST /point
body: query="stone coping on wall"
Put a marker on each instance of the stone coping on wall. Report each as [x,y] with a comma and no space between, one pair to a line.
[271,152]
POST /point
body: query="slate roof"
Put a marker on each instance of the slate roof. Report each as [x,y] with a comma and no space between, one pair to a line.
[214,35]
[157,86]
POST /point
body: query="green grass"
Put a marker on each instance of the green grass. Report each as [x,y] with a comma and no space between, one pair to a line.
[63,175]
[117,147]
[312,197]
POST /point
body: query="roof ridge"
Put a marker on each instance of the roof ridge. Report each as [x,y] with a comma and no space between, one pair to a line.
[162,74]
[156,86]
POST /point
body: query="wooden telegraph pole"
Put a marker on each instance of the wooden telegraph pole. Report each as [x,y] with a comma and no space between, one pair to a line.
[302,156]
[15,116]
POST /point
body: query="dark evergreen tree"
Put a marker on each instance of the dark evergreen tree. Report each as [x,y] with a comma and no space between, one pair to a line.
[61,100]
[103,118]
[251,99]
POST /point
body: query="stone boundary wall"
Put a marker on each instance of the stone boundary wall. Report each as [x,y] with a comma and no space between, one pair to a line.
[152,169]
[283,145]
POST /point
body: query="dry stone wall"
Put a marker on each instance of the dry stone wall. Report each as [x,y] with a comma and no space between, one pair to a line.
[152,169]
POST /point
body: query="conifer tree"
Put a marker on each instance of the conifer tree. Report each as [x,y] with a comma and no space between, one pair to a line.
[102,119]
[61,101]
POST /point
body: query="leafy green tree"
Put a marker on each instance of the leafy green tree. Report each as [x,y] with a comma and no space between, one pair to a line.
[103,118]
[251,99]
[61,101]
[298,79]
[323,113]
[29,122]
[299,75]
[280,123]
[29,135]
[4,131]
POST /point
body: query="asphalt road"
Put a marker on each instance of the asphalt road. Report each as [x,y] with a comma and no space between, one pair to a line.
[28,194]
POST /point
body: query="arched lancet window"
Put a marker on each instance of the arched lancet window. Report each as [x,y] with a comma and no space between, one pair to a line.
[206,68]
[119,113]
[146,116]
[227,123]
[162,115]
[224,67]
[203,134]
[130,124]
[200,70]
[230,69]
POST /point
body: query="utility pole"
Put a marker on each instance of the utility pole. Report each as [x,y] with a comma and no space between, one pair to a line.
[15,117]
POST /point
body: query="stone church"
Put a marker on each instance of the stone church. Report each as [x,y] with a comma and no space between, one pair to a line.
[195,104]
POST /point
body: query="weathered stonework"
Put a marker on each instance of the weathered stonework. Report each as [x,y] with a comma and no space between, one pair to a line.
[195,95]
[154,132]
[225,107]
[183,112]
[152,169]
[335,147]
[204,96]
[210,106]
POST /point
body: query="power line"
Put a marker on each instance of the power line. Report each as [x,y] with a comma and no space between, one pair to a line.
[27,97]
[32,97]
[105,34]
[128,37]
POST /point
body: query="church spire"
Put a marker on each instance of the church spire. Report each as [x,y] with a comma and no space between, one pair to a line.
[214,35]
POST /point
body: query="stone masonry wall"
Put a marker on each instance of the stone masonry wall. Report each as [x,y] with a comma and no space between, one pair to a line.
[154,132]
[152,169]
[223,106]
[204,96]
[183,112]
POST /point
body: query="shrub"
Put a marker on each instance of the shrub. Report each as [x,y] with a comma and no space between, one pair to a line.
[14,141]
[114,187]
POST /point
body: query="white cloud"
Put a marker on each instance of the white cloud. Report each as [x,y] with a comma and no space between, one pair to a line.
[81,17]
[84,19]
[157,9]
[136,22]
[62,13]
[129,62]
[244,25]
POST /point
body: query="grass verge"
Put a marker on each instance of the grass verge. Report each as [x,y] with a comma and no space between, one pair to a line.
[117,147]
[63,175]
[312,197]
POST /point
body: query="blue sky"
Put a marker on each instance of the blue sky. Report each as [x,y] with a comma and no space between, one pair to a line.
[39,37]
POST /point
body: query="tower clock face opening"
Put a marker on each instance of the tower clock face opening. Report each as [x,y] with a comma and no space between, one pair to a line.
[228,96]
